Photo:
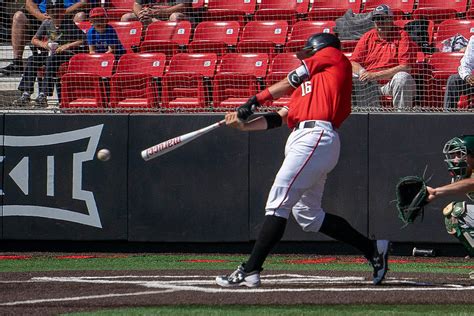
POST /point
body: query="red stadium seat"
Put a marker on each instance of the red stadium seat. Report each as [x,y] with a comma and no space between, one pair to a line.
[83,85]
[214,37]
[439,10]
[288,10]
[263,37]
[166,37]
[332,9]
[302,30]
[443,65]
[129,34]
[399,7]
[224,10]
[134,85]
[185,85]
[279,68]
[199,4]
[450,28]
[238,77]
[470,13]
[117,8]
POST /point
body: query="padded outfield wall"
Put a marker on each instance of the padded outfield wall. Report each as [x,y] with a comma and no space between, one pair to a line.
[211,190]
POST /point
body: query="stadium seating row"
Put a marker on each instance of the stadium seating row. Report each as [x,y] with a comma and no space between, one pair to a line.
[144,80]
[257,36]
[292,10]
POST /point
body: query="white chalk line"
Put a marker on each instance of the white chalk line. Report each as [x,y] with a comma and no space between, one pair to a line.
[201,283]
[80,298]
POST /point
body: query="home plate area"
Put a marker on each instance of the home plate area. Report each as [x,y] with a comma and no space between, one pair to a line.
[88,290]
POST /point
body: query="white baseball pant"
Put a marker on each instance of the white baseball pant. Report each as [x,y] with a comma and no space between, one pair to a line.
[310,154]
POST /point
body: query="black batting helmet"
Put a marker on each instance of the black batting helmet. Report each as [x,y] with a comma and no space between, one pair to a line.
[317,42]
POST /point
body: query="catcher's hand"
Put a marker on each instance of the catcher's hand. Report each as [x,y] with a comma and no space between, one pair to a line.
[412,196]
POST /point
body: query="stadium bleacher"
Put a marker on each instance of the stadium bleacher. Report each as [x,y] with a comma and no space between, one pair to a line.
[275,28]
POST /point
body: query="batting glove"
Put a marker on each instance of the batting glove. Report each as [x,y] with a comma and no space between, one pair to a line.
[247,109]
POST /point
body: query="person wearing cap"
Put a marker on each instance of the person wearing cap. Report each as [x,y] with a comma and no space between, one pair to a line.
[102,37]
[381,63]
[57,40]
[147,11]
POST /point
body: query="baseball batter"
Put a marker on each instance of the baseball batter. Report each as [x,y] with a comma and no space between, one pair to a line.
[320,102]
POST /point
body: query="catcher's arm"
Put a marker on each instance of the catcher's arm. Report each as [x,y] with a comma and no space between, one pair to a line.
[460,187]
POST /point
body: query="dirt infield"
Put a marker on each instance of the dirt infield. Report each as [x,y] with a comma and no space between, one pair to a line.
[48,293]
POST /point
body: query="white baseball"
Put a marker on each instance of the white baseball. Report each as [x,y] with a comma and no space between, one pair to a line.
[103,154]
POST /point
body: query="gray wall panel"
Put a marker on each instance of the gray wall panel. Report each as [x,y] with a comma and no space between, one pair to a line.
[198,192]
[55,187]
[401,145]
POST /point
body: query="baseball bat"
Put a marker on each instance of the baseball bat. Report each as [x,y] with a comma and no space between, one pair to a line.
[173,143]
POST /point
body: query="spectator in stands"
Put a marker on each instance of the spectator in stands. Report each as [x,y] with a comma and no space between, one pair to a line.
[76,8]
[102,37]
[383,54]
[462,82]
[24,25]
[146,11]
[79,8]
[58,39]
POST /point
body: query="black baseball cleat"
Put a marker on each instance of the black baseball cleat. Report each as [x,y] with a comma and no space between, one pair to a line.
[379,260]
[239,278]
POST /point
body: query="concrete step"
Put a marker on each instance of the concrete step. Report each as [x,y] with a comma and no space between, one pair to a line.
[6,55]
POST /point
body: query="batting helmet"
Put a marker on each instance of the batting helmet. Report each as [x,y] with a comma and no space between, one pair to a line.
[455,151]
[318,41]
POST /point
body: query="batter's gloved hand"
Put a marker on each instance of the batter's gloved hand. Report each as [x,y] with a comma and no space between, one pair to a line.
[247,109]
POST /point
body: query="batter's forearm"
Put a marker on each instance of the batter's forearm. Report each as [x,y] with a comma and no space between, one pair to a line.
[280,88]
[257,124]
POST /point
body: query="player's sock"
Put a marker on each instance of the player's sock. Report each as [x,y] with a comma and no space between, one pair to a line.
[338,228]
[270,234]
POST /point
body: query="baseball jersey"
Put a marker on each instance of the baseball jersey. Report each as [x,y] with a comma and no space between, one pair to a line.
[375,53]
[102,41]
[326,95]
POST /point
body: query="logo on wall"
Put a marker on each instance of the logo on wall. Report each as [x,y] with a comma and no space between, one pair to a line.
[43,176]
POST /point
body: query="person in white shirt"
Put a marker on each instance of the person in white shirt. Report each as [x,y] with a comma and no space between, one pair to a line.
[461,83]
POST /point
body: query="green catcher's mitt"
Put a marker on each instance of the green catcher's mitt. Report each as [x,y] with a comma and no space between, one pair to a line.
[411,198]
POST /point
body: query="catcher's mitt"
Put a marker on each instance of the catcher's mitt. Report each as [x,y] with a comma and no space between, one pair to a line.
[411,198]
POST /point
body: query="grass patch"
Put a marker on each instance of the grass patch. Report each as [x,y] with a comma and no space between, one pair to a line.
[297,310]
[223,262]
